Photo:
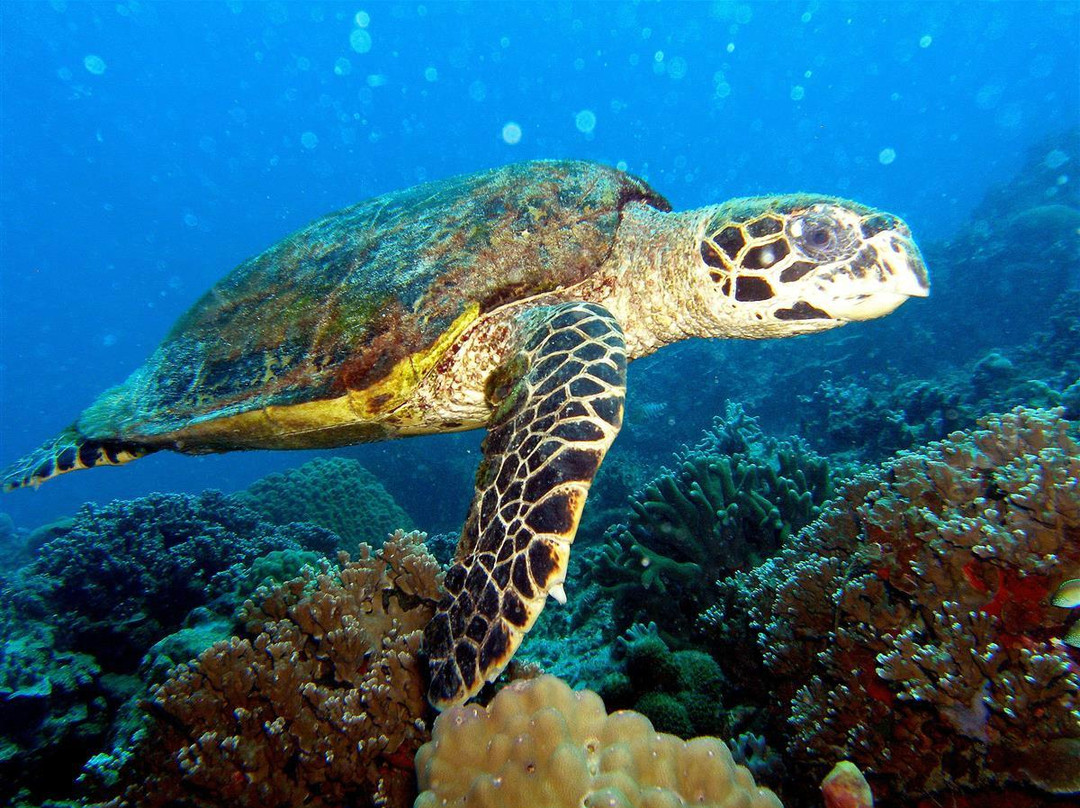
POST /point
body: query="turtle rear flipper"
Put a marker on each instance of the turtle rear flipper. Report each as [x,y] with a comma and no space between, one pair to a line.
[558,404]
[70,451]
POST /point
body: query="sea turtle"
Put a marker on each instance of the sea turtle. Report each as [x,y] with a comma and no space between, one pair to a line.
[510,299]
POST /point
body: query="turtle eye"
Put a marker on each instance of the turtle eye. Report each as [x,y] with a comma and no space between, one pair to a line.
[817,235]
[820,237]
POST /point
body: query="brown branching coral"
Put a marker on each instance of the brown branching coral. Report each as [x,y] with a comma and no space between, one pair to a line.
[322,705]
[911,629]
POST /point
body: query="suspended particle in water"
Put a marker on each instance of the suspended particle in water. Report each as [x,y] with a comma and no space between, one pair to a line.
[925,41]
[309,140]
[511,133]
[886,156]
[478,90]
[360,40]
[431,74]
[94,64]
[585,121]
[798,92]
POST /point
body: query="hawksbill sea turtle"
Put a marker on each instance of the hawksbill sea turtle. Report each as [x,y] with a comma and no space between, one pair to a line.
[510,299]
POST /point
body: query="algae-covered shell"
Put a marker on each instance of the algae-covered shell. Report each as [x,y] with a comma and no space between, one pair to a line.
[368,298]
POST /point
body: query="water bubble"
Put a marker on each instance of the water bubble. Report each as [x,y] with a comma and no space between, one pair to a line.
[431,74]
[362,19]
[658,56]
[309,140]
[585,121]
[988,96]
[342,66]
[925,41]
[376,80]
[504,42]
[511,133]
[191,220]
[676,68]
[478,90]
[108,340]
[64,74]
[1056,159]
[360,40]
[743,14]
[806,17]
[622,165]
[730,47]
[798,92]
[303,63]
[886,156]
[723,89]
[207,144]
[94,64]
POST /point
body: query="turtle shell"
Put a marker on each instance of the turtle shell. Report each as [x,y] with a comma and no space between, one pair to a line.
[349,300]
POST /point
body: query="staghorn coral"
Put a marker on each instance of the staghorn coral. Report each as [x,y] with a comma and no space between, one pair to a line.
[540,743]
[731,501]
[910,629]
[335,493]
[322,705]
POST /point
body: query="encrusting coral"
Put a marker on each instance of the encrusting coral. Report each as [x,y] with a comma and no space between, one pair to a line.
[322,705]
[911,628]
[539,743]
[335,493]
[730,502]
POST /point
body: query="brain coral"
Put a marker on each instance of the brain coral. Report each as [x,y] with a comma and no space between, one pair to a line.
[911,630]
[335,493]
[540,743]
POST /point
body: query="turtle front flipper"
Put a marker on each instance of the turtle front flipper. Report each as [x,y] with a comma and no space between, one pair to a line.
[557,406]
[70,451]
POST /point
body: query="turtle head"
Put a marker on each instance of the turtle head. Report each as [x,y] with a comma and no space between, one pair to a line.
[795,264]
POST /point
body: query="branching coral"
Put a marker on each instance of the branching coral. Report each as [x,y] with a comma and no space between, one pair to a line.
[540,743]
[731,501]
[335,493]
[322,705]
[127,573]
[910,629]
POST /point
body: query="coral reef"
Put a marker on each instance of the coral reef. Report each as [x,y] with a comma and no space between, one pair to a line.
[125,574]
[53,709]
[730,502]
[322,704]
[540,743]
[335,493]
[680,692]
[910,629]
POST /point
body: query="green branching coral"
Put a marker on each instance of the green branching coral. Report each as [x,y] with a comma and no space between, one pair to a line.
[910,629]
[730,502]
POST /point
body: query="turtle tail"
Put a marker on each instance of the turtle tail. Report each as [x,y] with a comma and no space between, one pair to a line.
[70,451]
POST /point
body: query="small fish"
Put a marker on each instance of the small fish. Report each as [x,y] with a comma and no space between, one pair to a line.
[1068,594]
[1068,597]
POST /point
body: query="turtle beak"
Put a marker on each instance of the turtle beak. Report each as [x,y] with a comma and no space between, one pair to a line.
[900,273]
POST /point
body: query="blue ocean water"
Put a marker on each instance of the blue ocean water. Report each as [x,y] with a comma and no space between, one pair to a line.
[149,147]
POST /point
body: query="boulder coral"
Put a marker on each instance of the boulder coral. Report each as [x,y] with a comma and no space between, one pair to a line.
[911,628]
[335,493]
[540,743]
[321,704]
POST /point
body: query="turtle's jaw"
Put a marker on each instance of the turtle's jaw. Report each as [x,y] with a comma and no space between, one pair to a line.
[888,270]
